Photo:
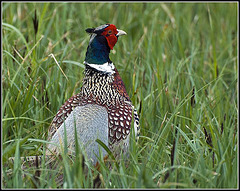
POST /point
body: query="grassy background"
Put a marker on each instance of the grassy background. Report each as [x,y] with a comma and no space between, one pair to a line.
[179,65]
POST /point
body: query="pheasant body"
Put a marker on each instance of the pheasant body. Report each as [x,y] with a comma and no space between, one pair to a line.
[102,110]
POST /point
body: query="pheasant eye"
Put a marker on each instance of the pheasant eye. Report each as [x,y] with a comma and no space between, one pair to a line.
[110,32]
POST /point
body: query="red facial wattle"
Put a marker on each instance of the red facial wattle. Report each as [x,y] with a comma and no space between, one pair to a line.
[110,33]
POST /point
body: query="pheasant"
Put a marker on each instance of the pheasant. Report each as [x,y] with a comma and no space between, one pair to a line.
[102,109]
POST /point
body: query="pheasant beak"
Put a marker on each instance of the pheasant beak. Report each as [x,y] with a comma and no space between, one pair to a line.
[120,32]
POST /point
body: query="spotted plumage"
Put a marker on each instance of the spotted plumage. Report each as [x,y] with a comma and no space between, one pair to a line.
[103,90]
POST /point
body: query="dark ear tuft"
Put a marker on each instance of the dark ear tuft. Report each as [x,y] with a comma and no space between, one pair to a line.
[90,30]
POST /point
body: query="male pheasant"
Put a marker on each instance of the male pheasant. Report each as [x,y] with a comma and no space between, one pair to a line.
[102,110]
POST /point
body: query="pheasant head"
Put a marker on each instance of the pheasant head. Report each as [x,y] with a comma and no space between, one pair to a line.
[102,40]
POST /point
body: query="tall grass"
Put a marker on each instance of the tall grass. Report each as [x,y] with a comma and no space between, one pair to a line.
[179,65]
